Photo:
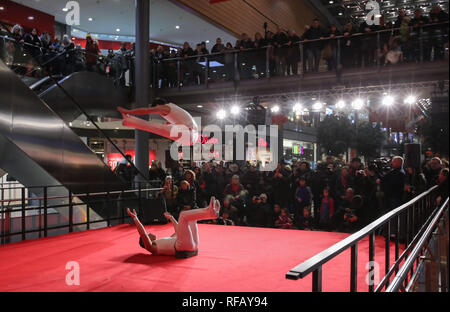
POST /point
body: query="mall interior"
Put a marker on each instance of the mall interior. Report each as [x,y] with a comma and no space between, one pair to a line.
[345,86]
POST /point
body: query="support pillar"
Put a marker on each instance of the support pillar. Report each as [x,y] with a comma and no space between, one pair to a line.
[142,83]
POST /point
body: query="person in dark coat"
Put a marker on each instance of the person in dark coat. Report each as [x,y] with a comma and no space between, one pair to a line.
[293,53]
[393,184]
[314,49]
[279,41]
[92,52]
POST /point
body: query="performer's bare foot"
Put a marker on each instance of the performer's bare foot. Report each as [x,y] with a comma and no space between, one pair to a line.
[214,206]
[123,111]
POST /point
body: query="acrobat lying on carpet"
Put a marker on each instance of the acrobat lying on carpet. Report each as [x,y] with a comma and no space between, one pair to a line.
[184,242]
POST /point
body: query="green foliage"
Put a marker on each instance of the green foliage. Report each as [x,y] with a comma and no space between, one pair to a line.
[435,135]
[368,139]
[335,134]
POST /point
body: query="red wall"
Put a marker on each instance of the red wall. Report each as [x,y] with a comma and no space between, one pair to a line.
[15,13]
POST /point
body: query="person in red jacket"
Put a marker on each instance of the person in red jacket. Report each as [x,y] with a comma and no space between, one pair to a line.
[326,210]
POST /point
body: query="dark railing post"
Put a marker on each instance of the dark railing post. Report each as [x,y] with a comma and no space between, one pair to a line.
[88,217]
[122,213]
[236,76]
[23,213]
[70,212]
[45,211]
[302,59]
[317,280]
[338,58]
[407,230]
[371,261]
[421,44]
[206,72]
[397,240]
[268,62]
[354,268]
[179,73]
[378,50]
[140,199]
[387,257]
[108,216]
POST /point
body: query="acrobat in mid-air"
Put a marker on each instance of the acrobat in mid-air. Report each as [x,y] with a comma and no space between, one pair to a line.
[180,126]
[184,242]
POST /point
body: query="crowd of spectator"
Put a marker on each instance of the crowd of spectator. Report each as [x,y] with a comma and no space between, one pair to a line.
[354,45]
[408,39]
[334,197]
[37,54]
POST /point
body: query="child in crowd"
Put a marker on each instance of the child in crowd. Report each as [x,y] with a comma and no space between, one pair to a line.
[284,221]
[224,219]
[306,221]
[326,212]
[276,212]
[351,219]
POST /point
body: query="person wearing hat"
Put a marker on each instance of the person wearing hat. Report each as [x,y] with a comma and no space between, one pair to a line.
[92,52]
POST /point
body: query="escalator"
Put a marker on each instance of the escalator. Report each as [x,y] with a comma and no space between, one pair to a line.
[38,147]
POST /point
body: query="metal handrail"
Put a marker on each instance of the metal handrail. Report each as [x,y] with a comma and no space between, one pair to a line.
[80,195]
[318,260]
[54,186]
[402,275]
[306,41]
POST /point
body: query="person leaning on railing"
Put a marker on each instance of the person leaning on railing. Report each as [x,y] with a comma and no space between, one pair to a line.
[442,190]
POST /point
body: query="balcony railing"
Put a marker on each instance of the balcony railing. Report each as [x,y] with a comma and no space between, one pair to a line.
[334,54]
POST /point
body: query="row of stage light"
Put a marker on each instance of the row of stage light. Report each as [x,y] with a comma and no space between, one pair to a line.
[298,108]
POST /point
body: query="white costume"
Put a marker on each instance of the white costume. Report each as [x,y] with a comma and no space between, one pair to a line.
[185,241]
[180,126]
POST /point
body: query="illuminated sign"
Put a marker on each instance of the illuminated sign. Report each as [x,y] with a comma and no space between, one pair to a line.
[298,150]
[114,159]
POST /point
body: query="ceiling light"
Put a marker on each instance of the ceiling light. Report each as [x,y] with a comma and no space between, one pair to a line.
[65,9]
[31,18]
[411,99]
[235,110]
[388,100]
[275,109]
[199,106]
[357,104]
[340,104]
[297,108]
[177,27]
[90,19]
[221,114]
[317,106]
[118,29]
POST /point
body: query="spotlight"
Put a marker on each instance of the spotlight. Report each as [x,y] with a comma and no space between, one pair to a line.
[275,109]
[317,106]
[340,104]
[388,100]
[90,19]
[221,114]
[235,110]
[411,99]
[297,108]
[118,29]
[65,9]
[357,104]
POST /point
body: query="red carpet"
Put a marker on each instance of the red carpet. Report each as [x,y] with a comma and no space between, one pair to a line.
[230,259]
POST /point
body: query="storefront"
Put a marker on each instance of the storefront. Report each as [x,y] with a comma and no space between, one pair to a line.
[299,150]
